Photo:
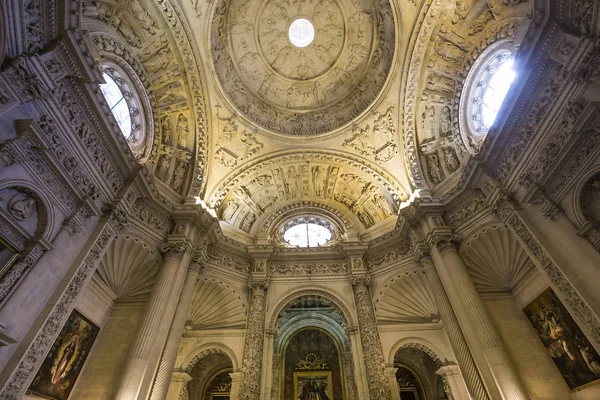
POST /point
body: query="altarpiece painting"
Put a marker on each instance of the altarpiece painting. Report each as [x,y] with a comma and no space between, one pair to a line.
[59,371]
[313,385]
[571,351]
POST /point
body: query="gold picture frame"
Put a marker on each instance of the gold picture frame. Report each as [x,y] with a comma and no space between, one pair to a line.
[312,380]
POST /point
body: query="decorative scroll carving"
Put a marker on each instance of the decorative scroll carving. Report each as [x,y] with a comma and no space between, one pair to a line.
[308,268]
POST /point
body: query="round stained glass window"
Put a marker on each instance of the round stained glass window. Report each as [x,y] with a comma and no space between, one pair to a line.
[301,32]
[117,104]
[307,234]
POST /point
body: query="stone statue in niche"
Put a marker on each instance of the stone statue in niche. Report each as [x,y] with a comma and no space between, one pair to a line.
[319,174]
[446,122]
[182,131]
[229,210]
[161,60]
[291,182]
[162,171]
[248,222]
[179,176]
[165,127]
[428,117]
[433,168]
[381,202]
[451,159]
[22,207]
[365,218]
[142,15]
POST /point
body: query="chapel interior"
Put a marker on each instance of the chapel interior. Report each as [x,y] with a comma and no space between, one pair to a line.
[300,199]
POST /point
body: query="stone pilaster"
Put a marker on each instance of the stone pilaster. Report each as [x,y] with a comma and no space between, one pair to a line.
[463,296]
[113,221]
[457,340]
[169,354]
[179,380]
[177,257]
[454,384]
[369,336]
[236,379]
[390,370]
[254,342]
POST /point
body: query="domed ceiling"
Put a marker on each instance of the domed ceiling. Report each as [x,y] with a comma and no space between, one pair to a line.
[309,90]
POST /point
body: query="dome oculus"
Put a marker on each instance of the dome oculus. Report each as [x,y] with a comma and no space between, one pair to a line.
[301,32]
[304,68]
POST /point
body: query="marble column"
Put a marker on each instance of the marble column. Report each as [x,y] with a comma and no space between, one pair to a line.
[179,380]
[463,296]
[177,257]
[254,343]
[169,354]
[454,384]
[457,340]
[379,388]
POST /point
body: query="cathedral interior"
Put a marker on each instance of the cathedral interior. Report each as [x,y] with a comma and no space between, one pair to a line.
[300,199]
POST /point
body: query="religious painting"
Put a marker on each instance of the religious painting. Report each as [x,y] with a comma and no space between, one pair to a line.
[220,385]
[571,351]
[59,371]
[313,385]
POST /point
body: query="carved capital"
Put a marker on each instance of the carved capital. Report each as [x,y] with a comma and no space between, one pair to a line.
[359,281]
[258,285]
[174,250]
[503,206]
[197,265]
[444,243]
[117,216]
[423,258]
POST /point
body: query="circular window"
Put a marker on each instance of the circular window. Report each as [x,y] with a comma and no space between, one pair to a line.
[307,234]
[301,32]
[485,89]
[117,104]
[125,96]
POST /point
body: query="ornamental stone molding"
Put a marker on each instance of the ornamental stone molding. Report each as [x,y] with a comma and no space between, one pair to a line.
[302,91]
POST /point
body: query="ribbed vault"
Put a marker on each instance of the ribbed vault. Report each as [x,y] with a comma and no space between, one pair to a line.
[216,305]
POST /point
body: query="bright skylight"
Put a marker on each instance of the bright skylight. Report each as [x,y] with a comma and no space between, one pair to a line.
[496,88]
[307,235]
[117,103]
[301,32]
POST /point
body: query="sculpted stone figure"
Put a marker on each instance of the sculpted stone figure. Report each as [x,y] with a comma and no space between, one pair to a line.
[291,181]
[451,159]
[179,176]
[229,210]
[433,166]
[162,172]
[182,131]
[22,207]
[319,176]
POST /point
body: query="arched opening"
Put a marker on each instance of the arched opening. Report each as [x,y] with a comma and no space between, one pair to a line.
[211,378]
[416,375]
[312,354]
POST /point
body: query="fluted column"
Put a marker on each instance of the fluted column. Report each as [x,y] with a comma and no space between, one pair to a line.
[379,388]
[169,354]
[463,296]
[254,343]
[177,257]
[457,340]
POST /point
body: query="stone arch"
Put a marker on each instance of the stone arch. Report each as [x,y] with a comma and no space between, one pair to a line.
[317,291]
[582,213]
[208,348]
[421,344]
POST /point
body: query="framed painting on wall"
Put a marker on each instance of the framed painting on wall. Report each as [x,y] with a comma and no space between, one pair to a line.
[309,385]
[571,351]
[59,371]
